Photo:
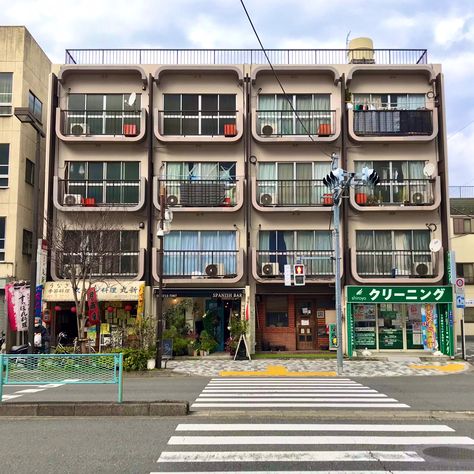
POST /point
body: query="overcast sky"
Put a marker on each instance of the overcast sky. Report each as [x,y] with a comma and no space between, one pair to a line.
[444,27]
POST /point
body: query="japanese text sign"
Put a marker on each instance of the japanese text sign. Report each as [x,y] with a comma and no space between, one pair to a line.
[399,294]
[18,306]
[93,306]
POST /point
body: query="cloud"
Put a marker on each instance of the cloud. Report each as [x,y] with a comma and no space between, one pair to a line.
[460,152]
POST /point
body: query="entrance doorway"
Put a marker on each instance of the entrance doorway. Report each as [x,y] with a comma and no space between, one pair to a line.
[311,333]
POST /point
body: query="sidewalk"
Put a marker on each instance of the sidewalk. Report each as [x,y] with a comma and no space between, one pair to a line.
[318,368]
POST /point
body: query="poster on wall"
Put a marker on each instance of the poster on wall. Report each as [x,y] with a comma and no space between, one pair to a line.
[18,306]
[429,323]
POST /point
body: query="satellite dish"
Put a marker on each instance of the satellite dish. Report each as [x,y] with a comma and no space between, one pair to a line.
[435,245]
[131,100]
[428,170]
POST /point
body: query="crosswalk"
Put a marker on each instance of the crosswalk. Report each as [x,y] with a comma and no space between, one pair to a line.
[26,391]
[328,448]
[291,392]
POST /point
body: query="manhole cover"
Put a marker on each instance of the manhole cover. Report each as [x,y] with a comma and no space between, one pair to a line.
[448,452]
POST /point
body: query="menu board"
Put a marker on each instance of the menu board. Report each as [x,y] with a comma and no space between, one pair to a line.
[365,338]
[391,339]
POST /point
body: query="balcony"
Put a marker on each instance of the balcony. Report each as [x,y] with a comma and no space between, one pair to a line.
[401,266]
[393,195]
[286,195]
[102,195]
[269,264]
[201,195]
[291,126]
[392,125]
[115,265]
[198,125]
[200,266]
[101,125]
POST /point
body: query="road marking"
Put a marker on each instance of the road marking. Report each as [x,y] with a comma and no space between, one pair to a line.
[302,405]
[312,471]
[71,380]
[450,368]
[319,440]
[9,397]
[311,427]
[207,394]
[278,370]
[297,399]
[31,390]
[293,456]
[286,390]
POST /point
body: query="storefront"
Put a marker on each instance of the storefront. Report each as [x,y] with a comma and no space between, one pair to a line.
[401,318]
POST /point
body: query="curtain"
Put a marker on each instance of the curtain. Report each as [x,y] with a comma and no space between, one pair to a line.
[320,170]
[303,187]
[286,193]
[266,173]
[323,244]
[304,107]
[173,173]
[266,114]
[402,256]
[364,249]
[285,114]
[321,103]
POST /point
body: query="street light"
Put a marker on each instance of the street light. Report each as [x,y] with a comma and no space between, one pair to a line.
[338,181]
[25,115]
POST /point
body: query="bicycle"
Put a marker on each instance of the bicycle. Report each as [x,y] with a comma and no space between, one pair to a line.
[60,349]
[90,349]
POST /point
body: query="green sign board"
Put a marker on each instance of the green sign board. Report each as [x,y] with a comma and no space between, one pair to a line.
[365,339]
[399,294]
[391,339]
[332,337]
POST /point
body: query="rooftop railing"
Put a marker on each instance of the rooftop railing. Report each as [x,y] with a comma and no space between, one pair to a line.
[463,192]
[246,56]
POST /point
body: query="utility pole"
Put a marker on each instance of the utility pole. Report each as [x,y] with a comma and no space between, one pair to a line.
[159,306]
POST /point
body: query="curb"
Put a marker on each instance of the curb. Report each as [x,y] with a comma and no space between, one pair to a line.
[165,408]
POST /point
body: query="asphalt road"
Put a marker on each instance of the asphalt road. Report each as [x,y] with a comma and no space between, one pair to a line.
[134,445]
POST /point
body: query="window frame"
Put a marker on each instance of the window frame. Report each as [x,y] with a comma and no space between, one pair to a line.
[5,176]
[3,226]
[461,271]
[33,101]
[460,223]
[30,166]
[9,103]
[27,243]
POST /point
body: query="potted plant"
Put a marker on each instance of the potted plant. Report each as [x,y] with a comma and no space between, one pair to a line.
[208,343]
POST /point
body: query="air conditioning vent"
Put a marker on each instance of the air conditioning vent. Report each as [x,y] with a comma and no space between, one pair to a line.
[72,200]
[270,269]
[268,199]
[215,270]
[423,269]
[418,199]
[267,130]
[79,129]
[172,200]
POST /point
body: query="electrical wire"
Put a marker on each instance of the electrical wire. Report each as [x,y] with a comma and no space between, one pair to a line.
[278,79]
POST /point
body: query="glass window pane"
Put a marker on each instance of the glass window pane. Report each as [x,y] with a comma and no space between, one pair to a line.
[129,241]
[131,171]
[114,170]
[4,153]
[172,102]
[209,126]
[227,102]
[190,102]
[191,126]
[77,169]
[209,102]
[96,171]
[95,102]
[130,194]
[2,227]
[135,106]
[76,102]
[172,126]
[3,182]
[114,102]
[364,240]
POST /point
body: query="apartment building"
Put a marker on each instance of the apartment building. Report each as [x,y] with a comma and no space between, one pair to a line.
[24,72]
[242,163]
[462,241]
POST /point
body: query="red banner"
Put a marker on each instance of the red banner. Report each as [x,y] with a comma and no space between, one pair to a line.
[93,305]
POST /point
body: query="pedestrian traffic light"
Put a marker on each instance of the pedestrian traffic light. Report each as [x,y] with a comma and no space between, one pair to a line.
[299,275]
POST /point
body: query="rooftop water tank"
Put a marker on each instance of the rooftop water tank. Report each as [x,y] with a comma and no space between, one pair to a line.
[361,51]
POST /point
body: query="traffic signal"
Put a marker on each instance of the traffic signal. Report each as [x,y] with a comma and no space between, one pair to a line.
[299,275]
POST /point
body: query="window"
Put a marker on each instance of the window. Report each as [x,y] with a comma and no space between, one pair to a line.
[313,112]
[30,172]
[6,80]
[194,170]
[276,311]
[466,271]
[36,106]
[2,239]
[469,315]
[4,161]
[462,225]
[198,114]
[103,114]
[394,253]
[27,247]
[110,182]
[389,101]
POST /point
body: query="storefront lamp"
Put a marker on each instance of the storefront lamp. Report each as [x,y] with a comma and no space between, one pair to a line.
[110,309]
[57,308]
[128,307]
[73,309]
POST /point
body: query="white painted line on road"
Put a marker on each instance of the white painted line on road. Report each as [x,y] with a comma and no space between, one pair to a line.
[9,397]
[292,395]
[31,390]
[313,472]
[311,427]
[320,440]
[51,385]
[284,390]
[293,456]
[71,380]
[300,405]
[297,399]
[233,379]
[284,383]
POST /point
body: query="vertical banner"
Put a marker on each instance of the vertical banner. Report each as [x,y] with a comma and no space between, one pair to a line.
[93,307]
[141,301]
[429,324]
[39,301]
[18,306]
[42,261]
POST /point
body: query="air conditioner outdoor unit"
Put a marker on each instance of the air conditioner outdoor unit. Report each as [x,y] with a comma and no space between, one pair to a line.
[79,129]
[172,200]
[267,130]
[418,198]
[423,269]
[72,200]
[268,199]
[270,268]
[215,270]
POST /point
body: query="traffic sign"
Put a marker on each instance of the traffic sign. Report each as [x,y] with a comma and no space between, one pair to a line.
[459,285]
[460,301]
[299,274]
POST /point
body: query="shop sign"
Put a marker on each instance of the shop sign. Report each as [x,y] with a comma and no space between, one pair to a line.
[18,306]
[114,291]
[332,337]
[141,301]
[93,305]
[429,323]
[399,294]
[451,266]
[231,294]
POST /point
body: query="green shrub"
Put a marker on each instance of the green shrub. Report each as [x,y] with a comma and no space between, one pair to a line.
[208,343]
[134,359]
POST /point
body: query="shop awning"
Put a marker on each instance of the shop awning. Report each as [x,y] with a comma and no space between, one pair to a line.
[126,290]
[222,293]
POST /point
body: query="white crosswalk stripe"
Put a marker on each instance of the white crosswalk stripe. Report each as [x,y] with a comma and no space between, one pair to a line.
[293,392]
[235,446]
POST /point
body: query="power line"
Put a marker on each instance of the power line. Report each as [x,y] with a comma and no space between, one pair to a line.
[278,79]
[460,130]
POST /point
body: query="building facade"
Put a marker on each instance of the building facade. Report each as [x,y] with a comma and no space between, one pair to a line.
[241,162]
[24,72]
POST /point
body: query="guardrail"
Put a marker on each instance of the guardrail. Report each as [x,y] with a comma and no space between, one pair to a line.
[67,369]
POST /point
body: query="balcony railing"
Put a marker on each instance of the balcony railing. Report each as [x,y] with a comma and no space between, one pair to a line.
[243,56]
[318,263]
[101,122]
[198,122]
[200,193]
[278,123]
[409,192]
[293,192]
[105,265]
[98,193]
[393,122]
[462,192]
[196,264]
[395,263]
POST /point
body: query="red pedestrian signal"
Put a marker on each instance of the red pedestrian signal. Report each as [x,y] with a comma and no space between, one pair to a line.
[299,276]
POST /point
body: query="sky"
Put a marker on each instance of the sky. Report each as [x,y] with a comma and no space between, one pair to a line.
[444,27]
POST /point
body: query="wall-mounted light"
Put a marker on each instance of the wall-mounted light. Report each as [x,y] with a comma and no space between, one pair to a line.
[253,159]
[141,225]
